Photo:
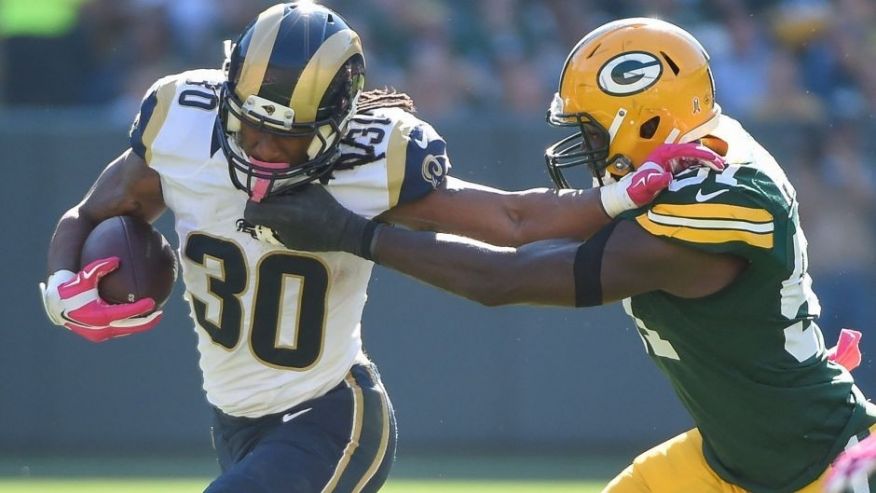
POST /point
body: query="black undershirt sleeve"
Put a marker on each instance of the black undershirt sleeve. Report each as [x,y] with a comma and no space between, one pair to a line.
[588,268]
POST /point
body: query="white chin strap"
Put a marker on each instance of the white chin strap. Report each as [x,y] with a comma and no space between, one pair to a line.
[616,123]
[607,179]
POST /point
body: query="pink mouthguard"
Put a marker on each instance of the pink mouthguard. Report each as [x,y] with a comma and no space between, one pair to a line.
[260,188]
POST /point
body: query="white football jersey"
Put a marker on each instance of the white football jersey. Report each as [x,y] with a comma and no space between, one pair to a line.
[275,327]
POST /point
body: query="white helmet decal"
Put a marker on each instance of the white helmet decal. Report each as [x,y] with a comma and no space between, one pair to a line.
[629,73]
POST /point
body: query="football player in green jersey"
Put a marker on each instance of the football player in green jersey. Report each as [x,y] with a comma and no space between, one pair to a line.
[713,271]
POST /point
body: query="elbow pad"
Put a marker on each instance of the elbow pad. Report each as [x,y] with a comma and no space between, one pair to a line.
[588,268]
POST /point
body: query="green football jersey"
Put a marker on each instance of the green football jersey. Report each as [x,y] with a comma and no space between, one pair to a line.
[749,361]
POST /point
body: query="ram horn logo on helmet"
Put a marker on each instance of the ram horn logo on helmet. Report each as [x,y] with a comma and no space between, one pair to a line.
[629,73]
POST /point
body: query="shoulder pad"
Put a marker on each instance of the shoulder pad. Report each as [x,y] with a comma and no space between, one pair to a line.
[196,89]
[415,154]
[727,212]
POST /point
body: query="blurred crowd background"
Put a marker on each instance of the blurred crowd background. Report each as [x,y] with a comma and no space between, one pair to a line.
[804,70]
[805,60]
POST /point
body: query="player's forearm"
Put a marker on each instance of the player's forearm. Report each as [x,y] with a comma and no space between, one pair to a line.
[484,273]
[67,241]
[503,218]
[546,214]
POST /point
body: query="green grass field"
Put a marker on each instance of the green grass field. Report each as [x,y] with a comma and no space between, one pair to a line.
[197,485]
[412,473]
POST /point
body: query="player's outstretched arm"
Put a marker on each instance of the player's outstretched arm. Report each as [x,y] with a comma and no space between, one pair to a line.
[540,273]
[516,218]
[620,261]
[499,217]
[126,187]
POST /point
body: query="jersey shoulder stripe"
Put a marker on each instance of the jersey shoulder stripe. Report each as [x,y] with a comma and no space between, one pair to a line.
[158,105]
[726,212]
[153,113]
[737,211]
[396,164]
[710,223]
[706,232]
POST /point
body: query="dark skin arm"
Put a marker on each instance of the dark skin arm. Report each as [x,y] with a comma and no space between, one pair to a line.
[634,262]
[503,218]
[127,186]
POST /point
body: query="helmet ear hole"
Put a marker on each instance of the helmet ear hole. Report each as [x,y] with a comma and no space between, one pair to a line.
[649,128]
[671,62]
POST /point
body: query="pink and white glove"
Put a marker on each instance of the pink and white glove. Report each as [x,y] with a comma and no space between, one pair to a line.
[71,300]
[846,352]
[851,470]
[676,158]
[641,186]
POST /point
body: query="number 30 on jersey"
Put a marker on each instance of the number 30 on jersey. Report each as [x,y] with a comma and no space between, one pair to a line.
[219,310]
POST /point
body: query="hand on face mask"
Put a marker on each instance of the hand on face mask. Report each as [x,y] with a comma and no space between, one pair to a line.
[310,219]
[640,187]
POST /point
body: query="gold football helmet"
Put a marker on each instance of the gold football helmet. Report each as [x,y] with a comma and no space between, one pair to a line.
[627,87]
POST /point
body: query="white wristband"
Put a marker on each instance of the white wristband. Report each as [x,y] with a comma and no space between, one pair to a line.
[51,298]
[58,278]
[615,199]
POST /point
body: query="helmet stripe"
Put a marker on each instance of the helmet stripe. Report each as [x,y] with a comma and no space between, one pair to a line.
[319,72]
[258,50]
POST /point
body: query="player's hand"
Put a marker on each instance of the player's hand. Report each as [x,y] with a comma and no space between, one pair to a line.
[310,219]
[846,352]
[71,301]
[676,158]
[635,189]
[852,467]
[640,187]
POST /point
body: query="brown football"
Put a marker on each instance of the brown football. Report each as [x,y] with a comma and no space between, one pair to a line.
[147,266]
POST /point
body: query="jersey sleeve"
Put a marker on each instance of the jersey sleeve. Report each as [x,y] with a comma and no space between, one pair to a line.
[718,216]
[416,160]
[153,112]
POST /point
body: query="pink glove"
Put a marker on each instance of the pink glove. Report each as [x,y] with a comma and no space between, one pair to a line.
[846,352]
[641,186]
[852,467]
[71,300]
[679,157]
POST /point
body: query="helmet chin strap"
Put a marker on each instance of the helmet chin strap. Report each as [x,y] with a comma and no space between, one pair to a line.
[607,179]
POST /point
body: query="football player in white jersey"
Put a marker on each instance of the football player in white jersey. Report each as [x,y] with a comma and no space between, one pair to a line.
[298,406]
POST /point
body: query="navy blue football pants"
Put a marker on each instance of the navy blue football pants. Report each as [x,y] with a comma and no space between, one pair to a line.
[343,441]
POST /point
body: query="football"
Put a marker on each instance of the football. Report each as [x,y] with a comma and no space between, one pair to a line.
[147,266]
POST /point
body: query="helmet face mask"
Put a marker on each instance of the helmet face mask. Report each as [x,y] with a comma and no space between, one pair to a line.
[627,87]
[588,147]
[282,80]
